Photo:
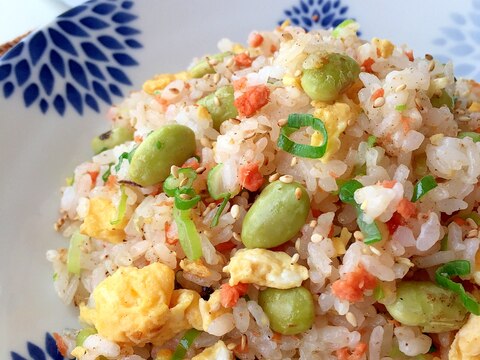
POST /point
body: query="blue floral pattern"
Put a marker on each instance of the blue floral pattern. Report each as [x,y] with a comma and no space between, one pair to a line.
[35,352]
[311,14]
[80,59]
[461,39]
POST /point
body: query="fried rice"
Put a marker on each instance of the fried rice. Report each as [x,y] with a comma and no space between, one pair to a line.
[416,163]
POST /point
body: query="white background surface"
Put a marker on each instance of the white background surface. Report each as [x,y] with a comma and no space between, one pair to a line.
[20,16]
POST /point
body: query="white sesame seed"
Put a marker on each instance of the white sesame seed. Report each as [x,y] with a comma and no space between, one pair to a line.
[375,250]
[351,319]
[295,258]
[273,177]
[313,223]
[231,346]
[174,171]
[212,62]
[298,193]
[216,101]
[264,127]
[216,78]
[185,196]
[464,118]
[236,236]
[297,72]
[431,66]
[294,161]
[206,211]
[249,135]
[297,244]
[379,102]
[316,238]
[235,211]
[282,122]
[472,223]
[400,87]
[287,179]
[358,235]
[183,182]
[472,233]
[243,342]
[200,170]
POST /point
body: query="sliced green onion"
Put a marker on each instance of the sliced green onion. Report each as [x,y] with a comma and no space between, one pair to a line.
[55,276]
[83,334]
[219,211]
[378,292]
[444,243]
[347,191]
[343,24]
[184,344]
[423,186]
[75,252]
[125,155]
[122,207]
[189,199]
[401,107]
[69,180]
[295,122]
[107,173]
[370,231]
[471,134]
[457,268]
[187,233]
[215,183]
[172,183]
[371,141]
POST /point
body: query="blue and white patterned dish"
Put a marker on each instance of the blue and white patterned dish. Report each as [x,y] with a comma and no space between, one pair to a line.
[55,85]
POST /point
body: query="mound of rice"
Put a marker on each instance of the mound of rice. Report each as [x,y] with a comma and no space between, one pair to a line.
[394,138]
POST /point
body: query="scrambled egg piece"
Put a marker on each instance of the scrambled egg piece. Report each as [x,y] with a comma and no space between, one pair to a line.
[336,117]
[196,268]
[265,268]
[340,243]
[384,47]
[164,354]
[160,82]
[466,345]
[97,223]
[289,80]
[211,309]
[475,107]
[184,314]
[219,351]
[132,305]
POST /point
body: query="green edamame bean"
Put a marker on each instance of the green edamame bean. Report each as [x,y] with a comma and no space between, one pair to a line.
[83,334]
[220,105]
[290,311]
[275,216]
[203,67]
[111,138]
[336,73]
[425,304]
[167,146]
[442,100]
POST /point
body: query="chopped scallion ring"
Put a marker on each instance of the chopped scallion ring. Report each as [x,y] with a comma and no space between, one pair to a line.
[122,207]
[220,210]
[295,122]
[423,186]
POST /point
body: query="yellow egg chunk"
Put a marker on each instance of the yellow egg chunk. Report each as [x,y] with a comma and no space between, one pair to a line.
[132,305]
[265,268]
[219,351]
[340,243]
[183,315]
[384,47]
[159,82]
[97,223]
[164,354]
[466,345]
[475,107]
[336,117]
[211,309]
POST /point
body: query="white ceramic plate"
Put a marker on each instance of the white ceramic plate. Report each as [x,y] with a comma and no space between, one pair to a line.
[55,86]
